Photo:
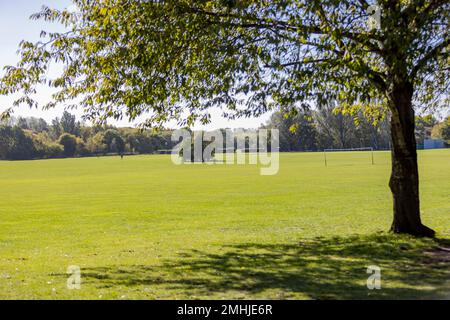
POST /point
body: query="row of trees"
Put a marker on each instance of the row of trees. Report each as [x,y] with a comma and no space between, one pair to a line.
[32,138]
[303,129]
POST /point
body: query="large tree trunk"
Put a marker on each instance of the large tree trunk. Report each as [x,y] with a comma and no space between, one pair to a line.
[404,182]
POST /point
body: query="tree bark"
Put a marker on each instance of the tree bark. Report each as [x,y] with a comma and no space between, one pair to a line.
[404,182]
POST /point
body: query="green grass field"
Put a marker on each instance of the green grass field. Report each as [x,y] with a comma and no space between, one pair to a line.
[142,228]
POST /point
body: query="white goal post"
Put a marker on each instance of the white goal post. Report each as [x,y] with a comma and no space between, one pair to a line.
[348,149]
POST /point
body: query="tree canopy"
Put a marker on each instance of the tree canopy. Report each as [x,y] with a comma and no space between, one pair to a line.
[175,59]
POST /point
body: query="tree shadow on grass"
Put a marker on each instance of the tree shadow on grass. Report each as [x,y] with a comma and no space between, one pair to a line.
[319,268]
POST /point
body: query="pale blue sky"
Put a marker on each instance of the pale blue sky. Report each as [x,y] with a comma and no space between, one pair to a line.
[15,26]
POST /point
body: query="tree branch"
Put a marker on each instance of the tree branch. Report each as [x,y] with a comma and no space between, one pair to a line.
[433,54]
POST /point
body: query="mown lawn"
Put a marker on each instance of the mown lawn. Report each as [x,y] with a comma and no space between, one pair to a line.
[142,228]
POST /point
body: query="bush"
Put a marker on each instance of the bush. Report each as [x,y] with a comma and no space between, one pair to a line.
[54,150]
[69,142]
[113,141]
[45,147]
[15,144]
[82,149]
[95,144]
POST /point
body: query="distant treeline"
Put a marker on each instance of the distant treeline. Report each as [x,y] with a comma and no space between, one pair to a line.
[32,138]
[304,130]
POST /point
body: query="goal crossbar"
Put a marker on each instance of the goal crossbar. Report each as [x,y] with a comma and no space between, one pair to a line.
[348,149]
